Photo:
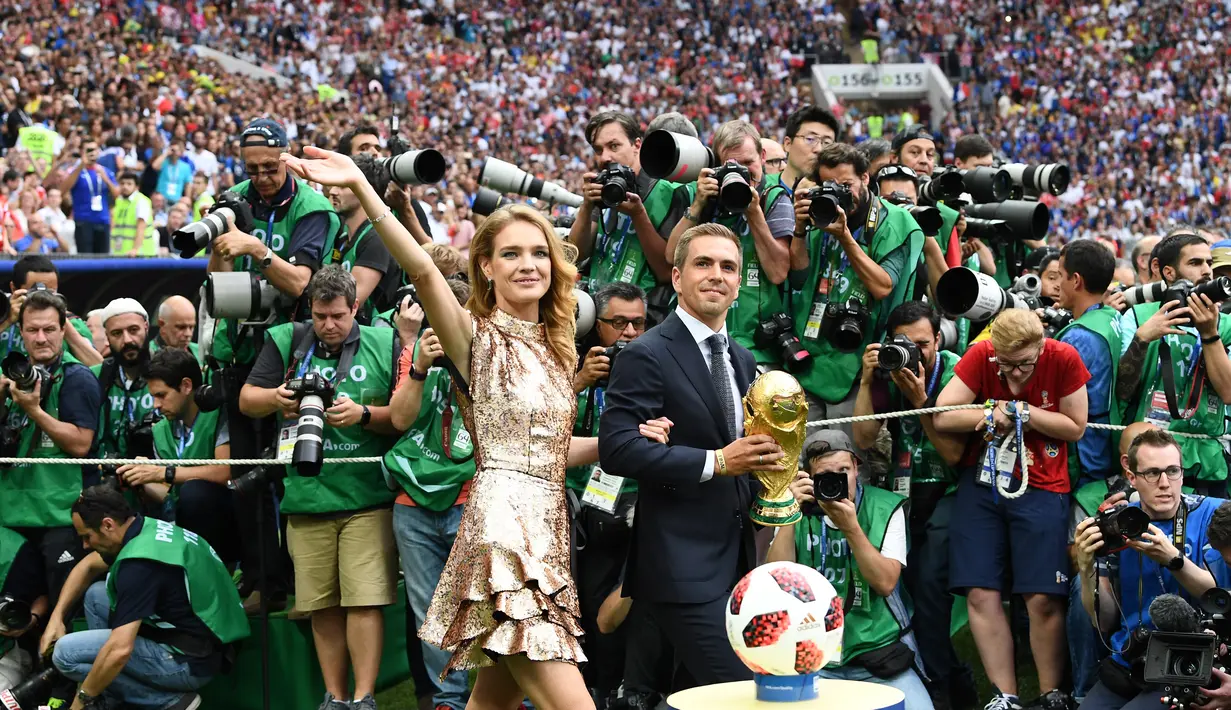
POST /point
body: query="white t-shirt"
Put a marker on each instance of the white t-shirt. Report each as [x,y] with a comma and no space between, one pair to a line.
[894,544]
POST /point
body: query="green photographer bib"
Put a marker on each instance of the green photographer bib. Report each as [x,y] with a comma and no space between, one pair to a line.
[1104,322]
[120,406]
[831,279]
[618,255]
[10,545]
[277,234]
[912,449]
[758,299]
[350,486]
[172,442]
[1203,414]
[40,495]
[869,623]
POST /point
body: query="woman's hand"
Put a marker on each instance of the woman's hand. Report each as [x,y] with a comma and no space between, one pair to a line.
[325,167]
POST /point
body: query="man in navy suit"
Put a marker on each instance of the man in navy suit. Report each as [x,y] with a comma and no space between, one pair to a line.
[692,538]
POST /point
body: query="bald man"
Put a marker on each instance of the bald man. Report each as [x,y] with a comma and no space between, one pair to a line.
[177,319]
[775,158]
[1141,258]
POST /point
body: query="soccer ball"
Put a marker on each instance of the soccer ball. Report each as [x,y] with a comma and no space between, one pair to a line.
[785,618]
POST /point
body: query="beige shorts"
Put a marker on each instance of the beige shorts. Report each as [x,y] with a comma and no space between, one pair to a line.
[349,562]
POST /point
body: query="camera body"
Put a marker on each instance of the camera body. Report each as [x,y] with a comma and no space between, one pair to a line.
[826,199]
[259,477]
[828,487]
[611,353]
[844,324]
[1055,320]
[14,614]
[734,187]
[24,374]
[1119,524]
[778,333]
[192,238]
[315,394]
[312,384]
[617,181]
[900,353]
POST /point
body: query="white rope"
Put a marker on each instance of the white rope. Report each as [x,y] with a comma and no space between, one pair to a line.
[11,461]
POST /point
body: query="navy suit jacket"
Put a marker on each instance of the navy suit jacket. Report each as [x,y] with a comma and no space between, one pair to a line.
[691,540]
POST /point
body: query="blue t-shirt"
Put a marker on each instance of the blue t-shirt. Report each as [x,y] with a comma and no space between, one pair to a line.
[1094,449]
[173,178]
[49,244]
[1138,572]
[81,397]
[92,197]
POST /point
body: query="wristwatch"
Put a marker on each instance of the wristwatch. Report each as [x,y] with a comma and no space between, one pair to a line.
[267,259]
[85,698]
[1176,563]
[367,415]
[414,374]
[169,477]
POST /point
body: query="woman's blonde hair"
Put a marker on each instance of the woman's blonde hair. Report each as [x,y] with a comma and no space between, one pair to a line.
[1016,329]
[556,307]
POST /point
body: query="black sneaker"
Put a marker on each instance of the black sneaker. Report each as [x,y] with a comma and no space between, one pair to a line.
[1056,700]
[1003,702]
[187,701]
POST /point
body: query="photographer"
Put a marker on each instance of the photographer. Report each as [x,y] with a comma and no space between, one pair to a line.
[1166,559]
[161,621]
[924,459]
[430,467]
[1174,370]
[30,273]
[915,147]
[627,243]
[93,188]
[855,535]
[22,583]
[177,320]
[1014,519]
[899,184]
[54,417]
[365,138]
[846,277]
[358,249]
[122,377]
[199,499]
[1142,257]
[340,520]
[764,231]
[1094,331]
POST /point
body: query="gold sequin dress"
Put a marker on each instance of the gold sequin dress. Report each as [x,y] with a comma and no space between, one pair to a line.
[506,588]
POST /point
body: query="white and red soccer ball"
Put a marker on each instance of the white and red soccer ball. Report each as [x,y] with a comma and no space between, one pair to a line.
[785,618]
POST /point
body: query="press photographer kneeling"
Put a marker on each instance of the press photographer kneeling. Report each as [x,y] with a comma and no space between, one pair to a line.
[51,413]
[331,380]
[160,622]
[198,496]
[856,536]
[1158,552]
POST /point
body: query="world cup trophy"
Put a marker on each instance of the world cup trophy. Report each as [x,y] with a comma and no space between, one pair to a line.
[775,405]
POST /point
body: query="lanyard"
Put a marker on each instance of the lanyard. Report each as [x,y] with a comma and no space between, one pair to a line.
[182,436]
[130,402]
[446,426]
[339,251]
[94,185]
[302,368]
[931,388]
[825,284]
[1178,525]
[825,532]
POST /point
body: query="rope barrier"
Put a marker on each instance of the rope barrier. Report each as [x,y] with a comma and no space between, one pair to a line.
[12,461]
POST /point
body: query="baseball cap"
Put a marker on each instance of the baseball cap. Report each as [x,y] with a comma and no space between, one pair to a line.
[915,132]
[263,132]
[1222,253]
[1034,260]
[827,441]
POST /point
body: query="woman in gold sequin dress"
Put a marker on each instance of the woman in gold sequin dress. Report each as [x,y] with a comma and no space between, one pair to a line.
[506,602]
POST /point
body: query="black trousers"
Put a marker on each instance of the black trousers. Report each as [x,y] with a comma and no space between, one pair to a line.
[697,632]
[92,238]
[249,437]
[208,509]
[60,549]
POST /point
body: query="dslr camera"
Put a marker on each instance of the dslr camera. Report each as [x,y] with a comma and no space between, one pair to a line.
[900,353]
[1119,524]
[734,187]
[140,437]
[844,324]
[778,333]
[315,395]
[24,375]
[827,487]
[259,476]
[1218,290]
[826,199]
[617,181]
[1055,320]
[611,353]
[191,239]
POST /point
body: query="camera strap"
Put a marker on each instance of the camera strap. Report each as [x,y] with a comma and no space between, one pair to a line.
[303,347]
[1196,382]
[849,597]
[1178,525]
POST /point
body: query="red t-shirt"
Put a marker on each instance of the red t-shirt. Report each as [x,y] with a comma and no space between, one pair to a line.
[1060,373]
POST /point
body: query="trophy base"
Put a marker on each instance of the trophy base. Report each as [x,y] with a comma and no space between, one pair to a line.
[776,513]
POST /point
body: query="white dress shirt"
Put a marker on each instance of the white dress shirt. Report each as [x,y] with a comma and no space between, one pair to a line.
[700,333]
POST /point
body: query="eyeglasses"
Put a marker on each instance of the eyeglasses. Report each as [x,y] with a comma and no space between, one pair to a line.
[890,172]
[778,162]
[257,170]
[1022,367]
[1151,475]
[622,323]
[814,140]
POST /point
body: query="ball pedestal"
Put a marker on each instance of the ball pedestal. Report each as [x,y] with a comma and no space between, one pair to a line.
[829,695]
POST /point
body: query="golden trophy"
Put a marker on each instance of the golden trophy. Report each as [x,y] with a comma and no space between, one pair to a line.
[775,405]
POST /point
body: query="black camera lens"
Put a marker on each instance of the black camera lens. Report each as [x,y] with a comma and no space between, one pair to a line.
[1217,290]
[16,366]
[823,210]
[777,334]
[1185,663]
[831,486]
[893,358]
[734,190]
[1132,522]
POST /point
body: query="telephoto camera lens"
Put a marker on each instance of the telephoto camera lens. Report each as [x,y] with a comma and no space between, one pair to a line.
[942,187]
[487,200]
[315,395]
[987,184]
[191,239]
[240,295]
[1145,293]
[1026,220]
[928,219]
[416,167]
[1040,179]
[987,229]
[29,693]
[1217,290]
[734,191]
[16,366]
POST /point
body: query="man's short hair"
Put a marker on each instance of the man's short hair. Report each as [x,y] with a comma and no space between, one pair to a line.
[1168,250]
[732,134]
[673,121]
[99,502]
[617,289]
[1219,531]
[972,146]
[873,149]
[173,367]
[702,230]
[448,259]
[596,123]
[346,142]
[1092,260]
[32,264]
[1014,329]
[130,175]
[330,282]
[811,114]
[1154,438]
[1139,249]
[377,174]
[42,301]
[835,154]
[912,312]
